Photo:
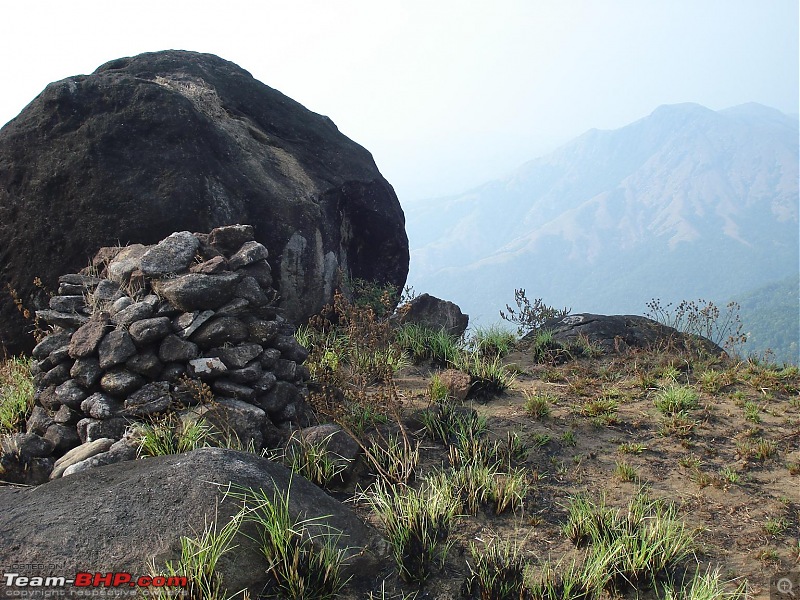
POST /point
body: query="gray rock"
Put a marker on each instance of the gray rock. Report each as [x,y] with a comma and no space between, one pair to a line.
[290,348]
[46,397]
[152,398]
[67,303]
[80,453]
[125,263]
[147,331]
[269,357]
[48,344]
[59,355]
[237,306]
[94,429]
[238,356]
[285,370]
[207,367]
[38,421]
[29,444]
[261,272]
[86,371]
[342,448]
[68,289]
[172,372]
[106,293]
[86,340]
[264,383]
[145,364]
[67,416]
[63,437]
[232,419]
[101,406]
[135,312]
[216,264]
[197,291]
[224,387]
[174,349]
[171,255]
[434,313]
[160,500]
[187,323]
[61,319]
[120,382]
[85,281]
[247,374]
[57,375]
[248,289]
[229,238]
[18,467]
[262,332]
[219,331]
[70,394]
[120,304]
[115,348]
[249,253]
[278,398]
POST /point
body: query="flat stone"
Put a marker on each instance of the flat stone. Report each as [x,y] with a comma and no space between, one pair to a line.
[261,272]
[68,289]
[171,255]
[85,281]
[207,367]
[67,303]
[57,375]
[86,371]
[101,406]
[174,349]
[87,338]
[67,416]
[115,348]
[187,323]
[247,254]
[80,453]
[219,331]
[120,451]
[120,304]
[120,382]
[147,331]
[238,356]
[262,332]
[229,389]
[235,307]
[48,344]
[197,291]
[106,293]
[61,319]
[217,264]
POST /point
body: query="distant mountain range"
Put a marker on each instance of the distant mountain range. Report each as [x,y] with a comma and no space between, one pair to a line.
[685,203]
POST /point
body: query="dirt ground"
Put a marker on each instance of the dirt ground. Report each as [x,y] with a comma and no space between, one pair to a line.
[744,507]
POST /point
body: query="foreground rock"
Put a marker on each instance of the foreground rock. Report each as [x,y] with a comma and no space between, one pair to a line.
[120,517]
[617,333]
[193,142]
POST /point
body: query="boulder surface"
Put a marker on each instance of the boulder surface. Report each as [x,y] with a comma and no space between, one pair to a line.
[120,517]
[181,141]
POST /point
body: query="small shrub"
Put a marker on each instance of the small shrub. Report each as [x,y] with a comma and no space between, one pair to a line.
[496,571]
[489,375]
[397,456]
[493,341]
[314,461]
[537,405]
[625,472]
[530,317]
[676,399]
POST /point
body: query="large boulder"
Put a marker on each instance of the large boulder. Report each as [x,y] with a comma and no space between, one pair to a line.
[180,141]
[124,517]
[435,313]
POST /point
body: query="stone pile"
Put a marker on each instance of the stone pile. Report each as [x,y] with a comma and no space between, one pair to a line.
[134,335]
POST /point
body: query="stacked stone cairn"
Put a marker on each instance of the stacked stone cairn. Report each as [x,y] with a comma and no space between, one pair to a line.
[149,331]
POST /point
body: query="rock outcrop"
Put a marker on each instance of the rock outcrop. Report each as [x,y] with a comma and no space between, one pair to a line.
[185,326]
[434,313]
[129,516]
[180,141]
[616,333]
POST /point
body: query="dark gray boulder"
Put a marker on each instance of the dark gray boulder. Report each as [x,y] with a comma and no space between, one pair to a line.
[120,517]
[616,333]
[434,313]
[181,141]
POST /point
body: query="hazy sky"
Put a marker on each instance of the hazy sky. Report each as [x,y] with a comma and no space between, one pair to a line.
[445,94]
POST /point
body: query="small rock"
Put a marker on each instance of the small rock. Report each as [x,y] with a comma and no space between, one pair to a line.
[48,344]
[87,338]
[290,348]
[264,383]
[46,397]
[152,398]
[80,453]
[67,303]
[229,389]
[238,356]
[457,384]
[247,254]
[217,264]
[247,374]
[172,372]
[174,349]
[269,357]
[26,444]
[172,254]
[197,291]
[147,331]
[101,406]
[235,307]
[120,304]
[261,272]
[135,312]
[187,323]
[106,293]
[219,331]
[234,419]
[93,429]
[57,375]
[86,371]
[277,399]
[248,289]
[230,238]
[63,437]
[38,421]
[146,364]
[84,281]
[115,348]
[70,393]
[61,319]
[67,416]
[120,382]
[285,370]
[125,263]
[207,367]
